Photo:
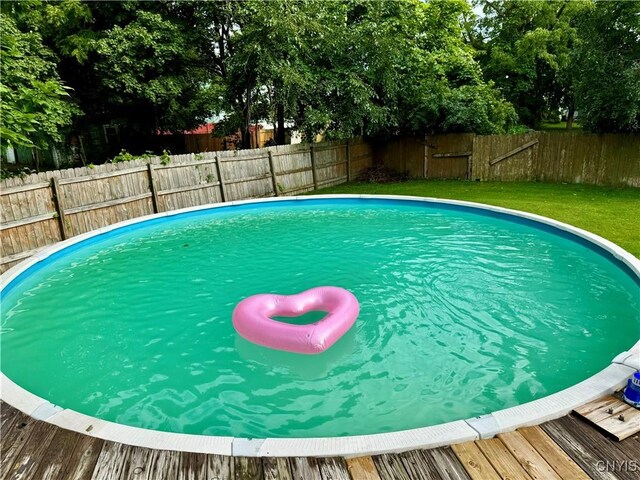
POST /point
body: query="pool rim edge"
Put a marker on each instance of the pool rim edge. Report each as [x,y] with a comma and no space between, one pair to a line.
[534,412]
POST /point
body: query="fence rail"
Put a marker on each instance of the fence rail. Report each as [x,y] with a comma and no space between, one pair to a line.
[44,208]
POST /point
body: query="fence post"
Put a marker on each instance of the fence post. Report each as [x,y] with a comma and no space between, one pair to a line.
[425,163]
[58,202]
[273,174]
[152,187]
[223,193]
[313,167]
[348,161]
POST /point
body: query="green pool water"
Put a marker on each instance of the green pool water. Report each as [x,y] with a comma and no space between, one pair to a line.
[461,314]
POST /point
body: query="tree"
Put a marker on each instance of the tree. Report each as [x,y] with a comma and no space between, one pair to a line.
[525,48]
[373,68]
[35,107]
[138,65]
[607,63]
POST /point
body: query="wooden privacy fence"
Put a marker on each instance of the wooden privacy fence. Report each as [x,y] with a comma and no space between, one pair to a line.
[575,157]
[41,209]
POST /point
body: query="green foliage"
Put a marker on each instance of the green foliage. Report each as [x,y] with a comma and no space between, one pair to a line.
[165,158]
[21,172]
[125,156]
[354,67]
[35,107]
[525,48]
[607,63]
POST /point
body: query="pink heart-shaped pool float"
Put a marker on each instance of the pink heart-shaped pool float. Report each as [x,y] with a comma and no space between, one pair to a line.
[252,319]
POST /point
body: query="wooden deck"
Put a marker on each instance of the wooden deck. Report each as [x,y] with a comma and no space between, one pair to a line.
[567,448]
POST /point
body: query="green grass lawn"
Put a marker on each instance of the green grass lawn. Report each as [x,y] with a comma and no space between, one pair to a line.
[612,213]
[562,126]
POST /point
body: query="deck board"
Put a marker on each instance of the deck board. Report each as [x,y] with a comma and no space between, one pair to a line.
[531,461]
[362,468]
[13,440]
[557,458]
[305,468]
[333,468]
[82,461]
[112,461]
[612,415]
[246,468]
[276,469]
[52,465]
[447,464]
[418,465]
[567,448]
[501,459]
[474,462]
[390,467]
[586,455]
[26,463]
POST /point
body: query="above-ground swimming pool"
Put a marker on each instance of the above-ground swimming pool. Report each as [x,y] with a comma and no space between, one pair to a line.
[463,311]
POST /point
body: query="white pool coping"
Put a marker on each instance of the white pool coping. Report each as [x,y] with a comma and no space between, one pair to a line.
[612,378]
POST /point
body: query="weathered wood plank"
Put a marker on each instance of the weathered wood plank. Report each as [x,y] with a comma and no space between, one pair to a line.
[112,461]
[501,459]
[248,468]
[25,464]
[159,465]
[446,463]
[304,468]
[27,221]
[153,189]
[110,203]
[276,468]
[274,179]
[474,461]
[23,188]
[563,465]
[333,468]
[82,461]
[171,166]
[58,201]
[200,466]
[452,154]
[612,415]
[348,154]
[390,467]
[53,464]
[188,188]
[248,179]
[511,153]
[529,458]
[241,158]
[314,173]
[418,466]
[13,440]
[8,416]
[362,468]
[603,403]
[102,176]
[586,457]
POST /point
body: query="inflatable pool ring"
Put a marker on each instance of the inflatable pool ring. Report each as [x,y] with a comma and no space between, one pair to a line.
[252,319]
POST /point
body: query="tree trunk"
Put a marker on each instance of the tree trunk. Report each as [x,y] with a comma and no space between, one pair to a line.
[570,114]
[246,135]
[280,131]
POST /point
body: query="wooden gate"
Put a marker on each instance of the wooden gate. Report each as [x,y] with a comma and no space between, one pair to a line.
[449,156]
[505,157]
